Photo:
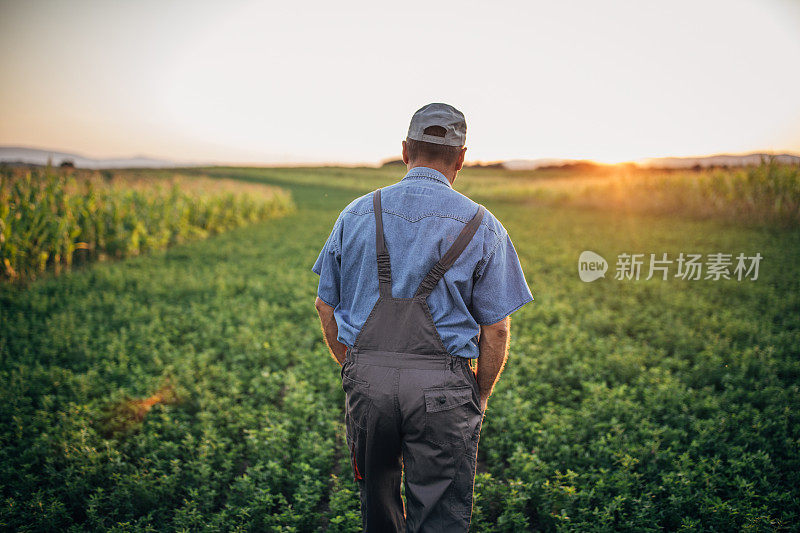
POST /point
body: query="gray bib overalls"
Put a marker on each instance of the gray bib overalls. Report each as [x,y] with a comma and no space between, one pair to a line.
[411,404]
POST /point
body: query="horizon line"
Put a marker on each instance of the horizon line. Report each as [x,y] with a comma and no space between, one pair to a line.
[382,161]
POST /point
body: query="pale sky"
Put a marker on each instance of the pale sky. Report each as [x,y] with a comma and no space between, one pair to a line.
[269,82]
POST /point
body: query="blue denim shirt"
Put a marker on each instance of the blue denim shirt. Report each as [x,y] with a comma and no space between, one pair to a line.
[422,216]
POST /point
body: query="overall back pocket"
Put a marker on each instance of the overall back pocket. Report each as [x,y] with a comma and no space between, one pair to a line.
[447,415]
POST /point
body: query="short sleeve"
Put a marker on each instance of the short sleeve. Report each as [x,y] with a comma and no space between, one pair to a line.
[500,288]
[329,267]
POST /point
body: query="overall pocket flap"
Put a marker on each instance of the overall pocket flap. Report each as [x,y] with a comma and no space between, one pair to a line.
[442,399]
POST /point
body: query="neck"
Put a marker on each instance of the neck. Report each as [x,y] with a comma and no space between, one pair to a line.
[449,173]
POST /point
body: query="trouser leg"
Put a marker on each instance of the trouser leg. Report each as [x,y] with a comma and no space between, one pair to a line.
[374,441]
[379,488]
[382,478]
[439,487]
[441,433]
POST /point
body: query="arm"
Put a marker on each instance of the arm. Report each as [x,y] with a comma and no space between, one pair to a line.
[493,351]
[330,330]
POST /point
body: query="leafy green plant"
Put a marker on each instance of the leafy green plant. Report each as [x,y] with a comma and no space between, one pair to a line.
[625,406]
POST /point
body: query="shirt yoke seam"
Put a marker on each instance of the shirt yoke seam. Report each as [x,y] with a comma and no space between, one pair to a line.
[484,222]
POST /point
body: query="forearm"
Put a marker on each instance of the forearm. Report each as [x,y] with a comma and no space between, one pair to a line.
[330,331]
[493,352]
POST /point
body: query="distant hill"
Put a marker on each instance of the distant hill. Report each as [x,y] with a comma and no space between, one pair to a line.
[530,164]
[34,156]
[722,160]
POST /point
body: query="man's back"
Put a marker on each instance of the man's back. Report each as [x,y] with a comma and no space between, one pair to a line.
[409,276]
[422,216]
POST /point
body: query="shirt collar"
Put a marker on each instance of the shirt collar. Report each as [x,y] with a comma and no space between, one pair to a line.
[429,173]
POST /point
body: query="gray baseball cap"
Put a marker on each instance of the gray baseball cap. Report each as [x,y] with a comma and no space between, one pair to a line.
[446,116]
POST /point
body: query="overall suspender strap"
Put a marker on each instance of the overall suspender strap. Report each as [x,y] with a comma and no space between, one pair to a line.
[447,260]
[384,265]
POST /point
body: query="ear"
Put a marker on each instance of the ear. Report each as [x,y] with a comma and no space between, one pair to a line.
[460,162]
[405,153]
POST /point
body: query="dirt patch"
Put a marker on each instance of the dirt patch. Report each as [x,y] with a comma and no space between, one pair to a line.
[124,418]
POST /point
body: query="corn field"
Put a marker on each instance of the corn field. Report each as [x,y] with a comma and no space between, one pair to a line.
[767,194]
[50,220]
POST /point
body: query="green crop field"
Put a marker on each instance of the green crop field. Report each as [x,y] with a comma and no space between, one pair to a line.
[47,217]
[189,389]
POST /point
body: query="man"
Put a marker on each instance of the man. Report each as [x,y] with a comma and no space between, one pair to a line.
[416,281]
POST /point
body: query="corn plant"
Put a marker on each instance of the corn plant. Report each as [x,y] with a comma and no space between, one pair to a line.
[46,216]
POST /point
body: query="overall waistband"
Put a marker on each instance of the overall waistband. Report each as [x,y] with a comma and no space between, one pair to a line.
[406,360]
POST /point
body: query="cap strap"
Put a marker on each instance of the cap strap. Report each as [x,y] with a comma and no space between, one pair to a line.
[384,265]
[447,260]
